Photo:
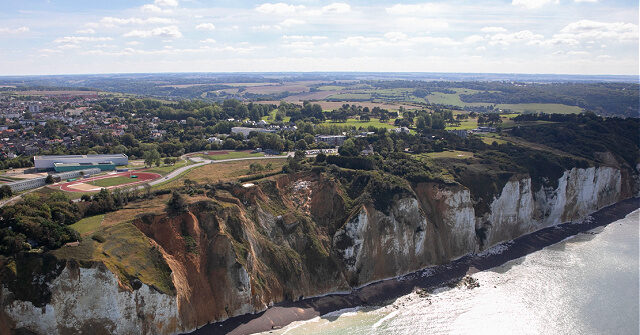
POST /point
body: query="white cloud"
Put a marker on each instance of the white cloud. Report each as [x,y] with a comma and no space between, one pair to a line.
[592,1]
[205,26]
[395,36]
[155,9]
[493,30]
[133,43]
[14,30]
[337,8]
[593,30]
[164,32]
[473,39]
[417,9]
[520,36]
[532,4]
[109,21]
[266,27]
[303,37]
[577,53]
[80,39]
[291,22]
[420,24]
[279,8]
[208,41]
[166,3]
[85,31]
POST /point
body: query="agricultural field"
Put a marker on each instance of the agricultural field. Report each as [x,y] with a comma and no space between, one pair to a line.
[331,88]
[364,124]
[544,108]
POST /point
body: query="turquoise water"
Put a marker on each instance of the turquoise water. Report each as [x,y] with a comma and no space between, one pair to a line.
[587,284]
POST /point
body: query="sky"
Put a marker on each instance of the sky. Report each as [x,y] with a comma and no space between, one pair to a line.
[509,36]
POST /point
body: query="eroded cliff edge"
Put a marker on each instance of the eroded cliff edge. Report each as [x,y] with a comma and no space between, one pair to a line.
[240,250]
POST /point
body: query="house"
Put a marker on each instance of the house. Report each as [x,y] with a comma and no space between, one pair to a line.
[214,140]
[246,130]
[460,132]
[336,140]
[404,130]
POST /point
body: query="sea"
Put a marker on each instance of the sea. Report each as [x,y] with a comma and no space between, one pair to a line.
[586,284]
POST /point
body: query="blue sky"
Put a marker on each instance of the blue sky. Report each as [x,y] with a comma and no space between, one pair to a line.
[516,36]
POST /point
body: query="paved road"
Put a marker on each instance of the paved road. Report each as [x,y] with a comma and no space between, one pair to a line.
[4,202]
[175,173]
[171,175]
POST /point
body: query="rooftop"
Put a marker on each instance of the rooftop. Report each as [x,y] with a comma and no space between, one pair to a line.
[79,156]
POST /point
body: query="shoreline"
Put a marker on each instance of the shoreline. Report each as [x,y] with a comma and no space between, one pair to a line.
[379,292]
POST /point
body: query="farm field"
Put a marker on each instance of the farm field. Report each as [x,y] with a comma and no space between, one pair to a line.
[545,108]
[364,124]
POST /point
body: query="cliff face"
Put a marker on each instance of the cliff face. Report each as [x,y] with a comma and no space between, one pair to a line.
[300,236]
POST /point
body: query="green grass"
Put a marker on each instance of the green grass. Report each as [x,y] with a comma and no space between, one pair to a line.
[544,108]
[465,125]
[490,138]
[115,181]
[357,123]
[330,88]
[450,154]
[350,96]
[272,116]
[88,225]
[127,252]
[163,170]
[233,154]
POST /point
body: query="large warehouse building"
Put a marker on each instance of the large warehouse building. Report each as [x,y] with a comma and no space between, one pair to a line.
[43,163]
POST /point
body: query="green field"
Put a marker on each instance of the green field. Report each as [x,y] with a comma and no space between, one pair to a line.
[450,154]
[545,108]
[357,123]
[272,116]
[350,96]
[232,155]
[454,100]
[88,225]
[107,182]
[490,138]
[467,124]
[330,88]
[163,170]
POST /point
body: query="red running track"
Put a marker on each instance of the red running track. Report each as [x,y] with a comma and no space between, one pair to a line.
[143,177]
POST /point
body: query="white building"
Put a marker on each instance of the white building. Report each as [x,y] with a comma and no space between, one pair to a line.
[47,162]
[246,130]
[34,107]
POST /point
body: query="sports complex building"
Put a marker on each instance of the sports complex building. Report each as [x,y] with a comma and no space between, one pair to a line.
[65,163]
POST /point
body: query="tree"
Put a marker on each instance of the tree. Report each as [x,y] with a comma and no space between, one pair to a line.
[151,157]
[301,145]
[255,168]
[176,204]
[365,118]
[5,191]
[348,148]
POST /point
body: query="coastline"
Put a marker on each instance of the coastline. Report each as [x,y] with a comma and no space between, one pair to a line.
[379,292]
